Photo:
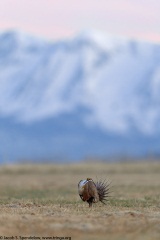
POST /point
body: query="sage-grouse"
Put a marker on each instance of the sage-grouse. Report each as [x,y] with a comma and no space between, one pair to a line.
[93,192]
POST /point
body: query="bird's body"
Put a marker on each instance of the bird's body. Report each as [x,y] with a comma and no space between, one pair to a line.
[93,192]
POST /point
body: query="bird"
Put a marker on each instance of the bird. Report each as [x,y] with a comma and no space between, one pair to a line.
[92,192]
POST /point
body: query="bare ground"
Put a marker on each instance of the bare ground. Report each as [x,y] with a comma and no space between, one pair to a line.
[42,201]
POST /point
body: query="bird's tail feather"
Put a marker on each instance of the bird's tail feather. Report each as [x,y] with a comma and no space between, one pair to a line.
[103,188]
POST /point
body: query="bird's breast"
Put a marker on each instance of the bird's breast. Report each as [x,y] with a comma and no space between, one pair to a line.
[81,186]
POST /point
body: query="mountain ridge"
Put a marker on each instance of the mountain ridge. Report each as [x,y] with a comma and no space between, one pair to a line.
[110,85]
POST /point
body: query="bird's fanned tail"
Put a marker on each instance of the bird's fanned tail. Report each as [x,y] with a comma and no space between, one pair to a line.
[103,188]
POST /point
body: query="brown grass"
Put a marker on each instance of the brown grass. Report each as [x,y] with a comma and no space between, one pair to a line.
[42,201]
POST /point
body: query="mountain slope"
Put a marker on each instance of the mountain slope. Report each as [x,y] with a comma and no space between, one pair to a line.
[91,95]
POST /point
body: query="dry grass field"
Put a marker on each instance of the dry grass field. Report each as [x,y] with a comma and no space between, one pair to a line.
[41,201]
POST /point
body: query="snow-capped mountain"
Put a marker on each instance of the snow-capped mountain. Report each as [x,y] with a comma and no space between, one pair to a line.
[91,95]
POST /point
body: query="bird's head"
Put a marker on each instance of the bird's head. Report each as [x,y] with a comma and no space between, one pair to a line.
[89,179]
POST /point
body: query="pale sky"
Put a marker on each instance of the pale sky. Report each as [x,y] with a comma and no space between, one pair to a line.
[56,19]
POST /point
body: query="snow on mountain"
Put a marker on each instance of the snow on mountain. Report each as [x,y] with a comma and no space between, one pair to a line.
[116,81]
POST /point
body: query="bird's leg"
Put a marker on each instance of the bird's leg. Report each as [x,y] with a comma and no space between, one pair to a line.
[90,201]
